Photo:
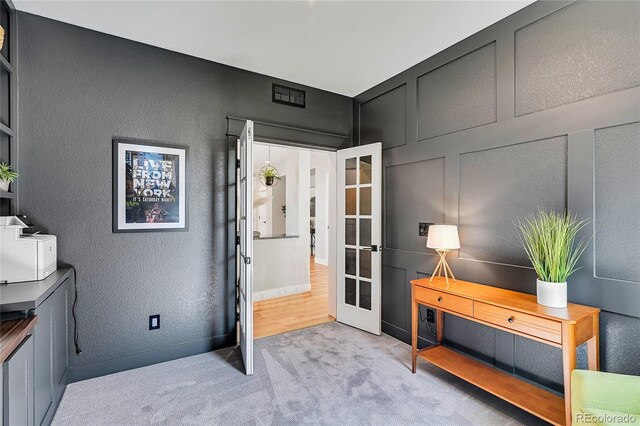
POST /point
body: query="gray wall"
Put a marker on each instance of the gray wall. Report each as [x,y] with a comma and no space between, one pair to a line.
[541,109]
[79,89]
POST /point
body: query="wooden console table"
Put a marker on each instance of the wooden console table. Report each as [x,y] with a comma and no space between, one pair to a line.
[516,313]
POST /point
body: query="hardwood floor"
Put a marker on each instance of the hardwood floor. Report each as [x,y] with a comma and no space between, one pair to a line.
[288,313]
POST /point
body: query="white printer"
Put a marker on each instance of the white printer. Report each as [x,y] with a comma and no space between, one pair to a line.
[24,257]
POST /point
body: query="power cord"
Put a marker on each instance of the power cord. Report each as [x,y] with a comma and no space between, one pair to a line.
[426,322]
[73,312]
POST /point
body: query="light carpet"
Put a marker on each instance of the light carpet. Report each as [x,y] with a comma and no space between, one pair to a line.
[329,374]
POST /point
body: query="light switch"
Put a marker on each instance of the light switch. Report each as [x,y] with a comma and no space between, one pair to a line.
[423,228]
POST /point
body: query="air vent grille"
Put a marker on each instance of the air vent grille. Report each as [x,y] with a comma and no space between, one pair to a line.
[289,96]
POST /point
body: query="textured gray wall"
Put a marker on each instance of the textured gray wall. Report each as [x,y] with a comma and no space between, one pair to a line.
[446,104]
[416,207]
[490,195]
[619,227]
[596,51]
[541,109]
[79,89]
[387,121]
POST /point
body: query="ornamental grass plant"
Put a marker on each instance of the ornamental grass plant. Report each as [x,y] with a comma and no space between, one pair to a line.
[549,239]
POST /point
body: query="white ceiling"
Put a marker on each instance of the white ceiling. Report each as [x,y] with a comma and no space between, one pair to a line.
[344,47]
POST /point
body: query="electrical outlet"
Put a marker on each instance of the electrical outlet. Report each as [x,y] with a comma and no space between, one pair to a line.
[431,316]
[154,322]
[423,228]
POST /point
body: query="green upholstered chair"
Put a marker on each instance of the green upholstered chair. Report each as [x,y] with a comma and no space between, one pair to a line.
[599,398]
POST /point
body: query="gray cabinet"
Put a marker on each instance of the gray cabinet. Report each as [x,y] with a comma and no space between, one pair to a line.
[61,339]
[43,339]
[1,394]
[49,299]
[17,379]
[51,355]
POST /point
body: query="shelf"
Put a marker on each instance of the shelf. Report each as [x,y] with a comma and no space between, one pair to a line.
[7,195]
[535,400]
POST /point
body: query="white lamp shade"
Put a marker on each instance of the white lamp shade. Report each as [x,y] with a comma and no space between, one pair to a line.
[443,237]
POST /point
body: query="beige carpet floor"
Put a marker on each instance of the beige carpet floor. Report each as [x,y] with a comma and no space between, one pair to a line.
[329,374]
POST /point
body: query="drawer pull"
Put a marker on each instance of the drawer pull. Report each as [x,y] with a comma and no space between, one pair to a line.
[511,319]
[440,299]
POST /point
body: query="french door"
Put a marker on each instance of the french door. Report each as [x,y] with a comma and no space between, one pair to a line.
[359,263]
[245,231]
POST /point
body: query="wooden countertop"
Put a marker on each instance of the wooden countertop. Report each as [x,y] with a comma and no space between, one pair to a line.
[12,333]
[513,300]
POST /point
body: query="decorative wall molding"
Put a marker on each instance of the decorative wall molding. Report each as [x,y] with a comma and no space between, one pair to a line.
[569,131]
[283,134]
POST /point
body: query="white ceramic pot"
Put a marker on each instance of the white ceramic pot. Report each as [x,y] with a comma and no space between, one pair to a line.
[4,185]
[553,295]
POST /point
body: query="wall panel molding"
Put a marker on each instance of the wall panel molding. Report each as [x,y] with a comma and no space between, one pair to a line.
[405,185]
[597,112]
[498,186]
[458,95]
[395,292]
[385,118]
[605,40]
[572,187]
[505,75]
[617,183]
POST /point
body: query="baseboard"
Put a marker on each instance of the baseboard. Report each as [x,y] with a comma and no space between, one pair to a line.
[143,359]
[404,335]
[321,261]
[279,292]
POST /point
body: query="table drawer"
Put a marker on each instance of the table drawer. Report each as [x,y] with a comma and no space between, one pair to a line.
[518,321]
[445,301]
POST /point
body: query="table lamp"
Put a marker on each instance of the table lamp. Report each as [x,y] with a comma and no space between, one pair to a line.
[443,238]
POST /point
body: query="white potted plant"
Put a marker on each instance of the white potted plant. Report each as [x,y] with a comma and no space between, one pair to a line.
[6,176]
[548,238]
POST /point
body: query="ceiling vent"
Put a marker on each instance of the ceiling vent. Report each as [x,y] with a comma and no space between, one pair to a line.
[289,96]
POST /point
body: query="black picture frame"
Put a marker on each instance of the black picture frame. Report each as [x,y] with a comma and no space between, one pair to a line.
[119,184]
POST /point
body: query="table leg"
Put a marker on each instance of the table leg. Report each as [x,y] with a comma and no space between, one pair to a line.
[414,330]
[439,325]
[593,346]
[568,364]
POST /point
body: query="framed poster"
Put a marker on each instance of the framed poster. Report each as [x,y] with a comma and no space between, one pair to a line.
[149,186]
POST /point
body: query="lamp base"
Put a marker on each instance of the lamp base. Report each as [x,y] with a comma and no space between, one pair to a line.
[442,267]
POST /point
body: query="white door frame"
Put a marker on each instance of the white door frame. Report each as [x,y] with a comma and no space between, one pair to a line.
[331,219]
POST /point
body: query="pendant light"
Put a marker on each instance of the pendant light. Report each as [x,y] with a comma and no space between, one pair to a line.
[269,175]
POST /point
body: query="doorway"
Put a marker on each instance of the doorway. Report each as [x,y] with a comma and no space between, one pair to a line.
[294,199]
[354,222]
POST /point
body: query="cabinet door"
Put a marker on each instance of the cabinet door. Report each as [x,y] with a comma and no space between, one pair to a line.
[51,353]
[1,395]
[43,365]
[18,385]
[60,344]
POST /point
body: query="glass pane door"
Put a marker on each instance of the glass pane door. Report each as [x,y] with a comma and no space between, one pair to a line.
[245,230]
[359,219]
